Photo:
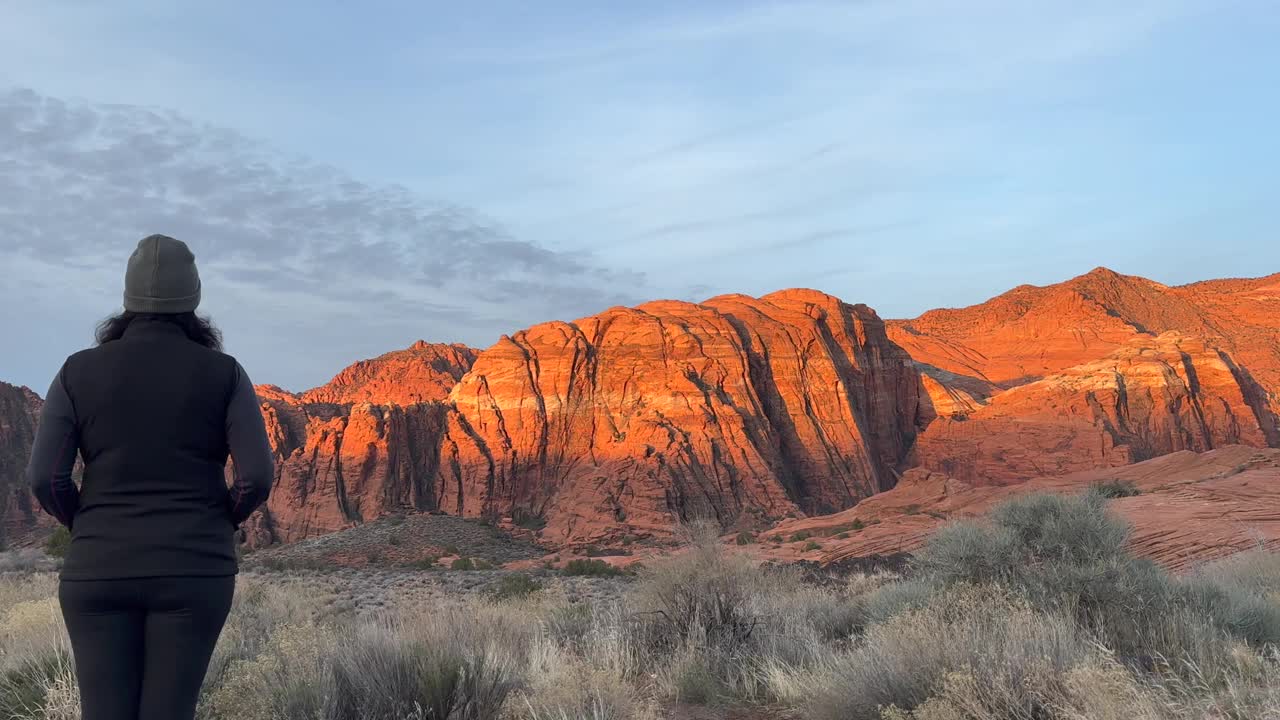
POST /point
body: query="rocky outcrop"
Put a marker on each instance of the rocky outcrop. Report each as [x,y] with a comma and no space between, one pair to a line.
[636,417]
[1148,397]
[424,372]
[1192,508]
[19,513]
[622,422]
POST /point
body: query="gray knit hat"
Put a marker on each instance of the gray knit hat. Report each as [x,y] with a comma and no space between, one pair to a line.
[162,277]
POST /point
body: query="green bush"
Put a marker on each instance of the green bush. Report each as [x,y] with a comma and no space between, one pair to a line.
[58,542]
[592,568]
[801,535]
[462,563]
[431,562]
[811,545]
[514,587]
[895,598]
[1115,489]
[1066,554]
[745,538]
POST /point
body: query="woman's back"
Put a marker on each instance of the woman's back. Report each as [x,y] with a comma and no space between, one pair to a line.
[151,409]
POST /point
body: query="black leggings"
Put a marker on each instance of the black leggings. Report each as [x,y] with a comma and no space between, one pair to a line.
[142,646]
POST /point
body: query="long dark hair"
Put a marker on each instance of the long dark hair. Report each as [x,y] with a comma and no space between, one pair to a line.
[198,329]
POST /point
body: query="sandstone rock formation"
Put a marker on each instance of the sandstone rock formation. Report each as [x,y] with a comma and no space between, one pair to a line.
[1147,397]
[19,513]
[1193,508]
[751,409]
[424,372]
[621,422]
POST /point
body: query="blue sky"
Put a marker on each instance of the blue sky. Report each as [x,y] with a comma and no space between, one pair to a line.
[357,176]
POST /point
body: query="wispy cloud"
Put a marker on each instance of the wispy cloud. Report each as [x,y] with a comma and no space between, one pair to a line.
[81,182]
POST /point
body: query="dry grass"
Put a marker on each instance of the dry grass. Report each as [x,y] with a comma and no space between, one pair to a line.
[1034,614]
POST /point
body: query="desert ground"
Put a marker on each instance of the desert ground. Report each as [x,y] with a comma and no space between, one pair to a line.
[1035,611]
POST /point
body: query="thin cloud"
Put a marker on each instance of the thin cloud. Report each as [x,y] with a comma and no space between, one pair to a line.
[290,250]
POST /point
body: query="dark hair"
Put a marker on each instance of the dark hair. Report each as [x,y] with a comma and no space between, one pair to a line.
[198,329]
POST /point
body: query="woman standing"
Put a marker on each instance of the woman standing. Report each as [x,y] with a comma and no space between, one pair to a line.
[153,410]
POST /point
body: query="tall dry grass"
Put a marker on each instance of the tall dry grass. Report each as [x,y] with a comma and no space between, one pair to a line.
[1034,613]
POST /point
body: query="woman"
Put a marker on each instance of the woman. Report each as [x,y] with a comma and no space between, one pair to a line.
[153,411]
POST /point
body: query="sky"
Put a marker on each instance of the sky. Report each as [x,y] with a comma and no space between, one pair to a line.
[356,176]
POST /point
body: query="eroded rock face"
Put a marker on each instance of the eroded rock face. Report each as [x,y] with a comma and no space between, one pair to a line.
[19,513]
[636,417]
[1146,398]
[622,422]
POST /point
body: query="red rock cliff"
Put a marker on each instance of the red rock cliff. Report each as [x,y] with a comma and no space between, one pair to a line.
[622,421]
[19,513]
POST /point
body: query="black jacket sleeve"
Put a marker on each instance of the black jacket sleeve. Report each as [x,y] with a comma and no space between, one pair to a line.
[53,456]
[250,451]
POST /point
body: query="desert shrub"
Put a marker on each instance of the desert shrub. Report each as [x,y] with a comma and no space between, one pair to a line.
[514,586]
[431,562]
[258,612]
[452,664]
[569,625]
[25,689]
[1256,570]
[1111,489]
[58,542]
[482,564]
[1011,657]
[31,630]
[567,685]
[830,615]
[801,535]
[1063,552]
[895,598]
[452,550]
[592,568]
[286,563]
[27,560]
[745,538]
[462,563]
[289,675]
[710,620]
[1234,609]
[1066,554]
[811,545]
[693,679]
[705,589]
